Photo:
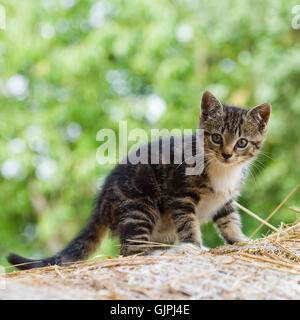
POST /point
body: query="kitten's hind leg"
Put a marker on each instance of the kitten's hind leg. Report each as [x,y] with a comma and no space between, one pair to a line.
[135,230]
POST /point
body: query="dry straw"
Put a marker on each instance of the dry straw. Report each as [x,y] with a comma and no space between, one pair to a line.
[266,268]
[275,210]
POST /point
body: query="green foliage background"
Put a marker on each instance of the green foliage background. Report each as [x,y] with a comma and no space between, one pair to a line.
[245,52]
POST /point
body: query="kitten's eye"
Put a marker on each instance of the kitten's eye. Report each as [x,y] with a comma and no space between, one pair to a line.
[242,143]
[216,138]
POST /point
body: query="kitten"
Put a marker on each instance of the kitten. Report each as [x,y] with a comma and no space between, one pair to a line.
[160,203]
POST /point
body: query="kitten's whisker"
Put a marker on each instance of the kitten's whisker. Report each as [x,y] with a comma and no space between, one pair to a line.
[262,153]
[265,152]
[257,164]
[257,167]
[258,161]
[253,176]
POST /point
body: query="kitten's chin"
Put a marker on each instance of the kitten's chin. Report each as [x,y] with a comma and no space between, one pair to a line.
[227,163]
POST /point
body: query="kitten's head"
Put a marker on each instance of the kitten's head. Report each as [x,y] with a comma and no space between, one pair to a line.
[232,135]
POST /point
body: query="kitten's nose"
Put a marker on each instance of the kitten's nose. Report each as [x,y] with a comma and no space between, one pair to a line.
[226,155]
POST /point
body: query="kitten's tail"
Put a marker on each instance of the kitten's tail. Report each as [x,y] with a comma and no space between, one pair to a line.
[78,249]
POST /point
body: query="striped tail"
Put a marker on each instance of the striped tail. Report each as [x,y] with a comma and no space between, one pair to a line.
[78,249]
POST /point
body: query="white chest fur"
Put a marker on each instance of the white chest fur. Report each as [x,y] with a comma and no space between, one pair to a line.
[225,181]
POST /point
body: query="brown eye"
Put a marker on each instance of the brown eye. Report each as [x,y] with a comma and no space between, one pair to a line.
[216,138]
[242,143]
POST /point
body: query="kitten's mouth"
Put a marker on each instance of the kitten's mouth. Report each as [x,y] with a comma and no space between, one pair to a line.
[226,162]
[230,162]
[222,161]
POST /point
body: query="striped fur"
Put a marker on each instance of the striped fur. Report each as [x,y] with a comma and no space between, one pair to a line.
[159,202]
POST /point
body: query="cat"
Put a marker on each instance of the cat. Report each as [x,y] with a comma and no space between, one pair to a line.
[143,203]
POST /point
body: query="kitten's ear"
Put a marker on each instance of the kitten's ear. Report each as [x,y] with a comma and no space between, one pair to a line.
[261,114]
[210,105]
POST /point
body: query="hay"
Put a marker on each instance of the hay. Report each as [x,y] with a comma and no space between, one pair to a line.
[265,268]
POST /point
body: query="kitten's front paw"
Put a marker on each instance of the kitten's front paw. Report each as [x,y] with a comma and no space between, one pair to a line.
[244,239]
[185,248]
[241,240]
[158,252]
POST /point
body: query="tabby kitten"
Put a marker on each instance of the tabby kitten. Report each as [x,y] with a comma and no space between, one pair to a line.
[160,203]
